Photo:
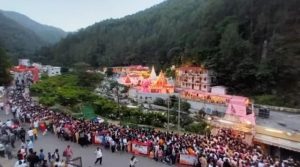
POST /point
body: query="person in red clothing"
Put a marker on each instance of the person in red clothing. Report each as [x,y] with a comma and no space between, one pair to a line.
[68,153]
[43,128]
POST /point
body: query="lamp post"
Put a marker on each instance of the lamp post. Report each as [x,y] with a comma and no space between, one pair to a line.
[168,113]
[178,126]
[118,101]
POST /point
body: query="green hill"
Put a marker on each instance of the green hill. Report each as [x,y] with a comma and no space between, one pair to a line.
[47,33]
[252,45]
[16,39]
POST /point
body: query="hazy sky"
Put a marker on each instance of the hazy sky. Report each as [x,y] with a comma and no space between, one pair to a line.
[71,15]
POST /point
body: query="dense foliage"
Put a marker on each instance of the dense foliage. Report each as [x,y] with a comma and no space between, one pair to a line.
[5,77]
[47,33]
[66,90]
[21,36]
[173,103]
[17,40]
[109,109]
[252,45]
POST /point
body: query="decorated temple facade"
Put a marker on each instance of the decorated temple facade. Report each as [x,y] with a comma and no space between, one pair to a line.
[130,69]
[161,85]
[146,83]
[131,79]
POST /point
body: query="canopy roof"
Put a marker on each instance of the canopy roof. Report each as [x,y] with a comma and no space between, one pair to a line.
[278,142]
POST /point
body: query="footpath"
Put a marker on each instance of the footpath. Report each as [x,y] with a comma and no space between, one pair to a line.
[5,162]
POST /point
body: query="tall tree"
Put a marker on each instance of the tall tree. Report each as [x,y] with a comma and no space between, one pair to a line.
[5,77]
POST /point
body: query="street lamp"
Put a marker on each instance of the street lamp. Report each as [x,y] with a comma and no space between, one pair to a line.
[118,100]
[178,126]
[179,112]
[168,113]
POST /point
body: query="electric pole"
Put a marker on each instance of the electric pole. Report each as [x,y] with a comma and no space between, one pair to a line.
[178,128]
[168,126]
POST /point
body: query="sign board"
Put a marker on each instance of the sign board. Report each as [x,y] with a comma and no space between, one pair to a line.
[99,139]
[139,148]
[186,159]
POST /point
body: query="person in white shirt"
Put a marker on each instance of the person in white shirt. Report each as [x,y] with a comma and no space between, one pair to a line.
[261,164]
[9,123]
[29,144]
[98,156]
[132,161]
[125,143]
[59,163]
[30,134]
[20,163]
[36,124]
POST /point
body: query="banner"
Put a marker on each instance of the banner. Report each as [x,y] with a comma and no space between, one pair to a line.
[99,139]
[139,148]
[187,159]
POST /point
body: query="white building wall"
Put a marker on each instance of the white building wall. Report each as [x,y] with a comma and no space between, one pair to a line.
[53,71]
[24,62]
[142,97]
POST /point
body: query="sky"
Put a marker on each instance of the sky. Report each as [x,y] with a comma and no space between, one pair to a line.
[71,15]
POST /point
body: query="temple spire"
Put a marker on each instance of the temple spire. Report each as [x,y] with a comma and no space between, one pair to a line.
[153,74]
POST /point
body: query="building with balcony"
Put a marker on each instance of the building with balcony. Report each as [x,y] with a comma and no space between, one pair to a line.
[194,78]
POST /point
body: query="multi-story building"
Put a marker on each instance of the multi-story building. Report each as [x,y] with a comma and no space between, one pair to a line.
[195,78]
[130,69]
[53,71]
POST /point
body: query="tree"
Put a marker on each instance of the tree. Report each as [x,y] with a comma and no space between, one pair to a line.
[196,127]
[109,72]
[170,73]
[226,36]
[89,80]
[159,101]
[184,106]
[5,77]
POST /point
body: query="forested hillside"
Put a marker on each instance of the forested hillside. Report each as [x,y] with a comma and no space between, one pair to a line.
[47,33]
[16,39]
[252,45]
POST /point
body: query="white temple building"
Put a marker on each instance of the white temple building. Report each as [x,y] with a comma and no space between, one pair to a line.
[153,75]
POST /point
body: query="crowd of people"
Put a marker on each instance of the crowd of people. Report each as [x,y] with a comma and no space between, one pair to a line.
[223,149]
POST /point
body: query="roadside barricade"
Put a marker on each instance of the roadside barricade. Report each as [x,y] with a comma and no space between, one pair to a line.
[187,159]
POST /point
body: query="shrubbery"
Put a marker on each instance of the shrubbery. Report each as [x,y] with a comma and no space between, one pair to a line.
[159,101]
[197,127]
[108,108]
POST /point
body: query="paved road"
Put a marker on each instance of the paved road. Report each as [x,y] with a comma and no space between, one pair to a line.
[49,143]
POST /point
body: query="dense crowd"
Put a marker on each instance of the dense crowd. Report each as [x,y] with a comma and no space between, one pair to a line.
[223,149]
